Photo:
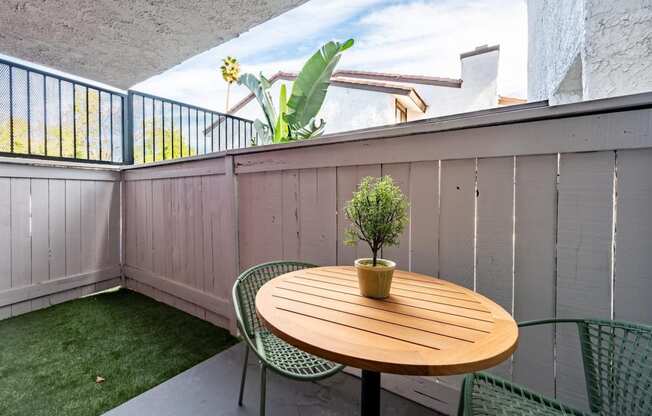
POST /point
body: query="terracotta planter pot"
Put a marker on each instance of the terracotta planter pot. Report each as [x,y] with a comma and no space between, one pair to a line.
[375,281]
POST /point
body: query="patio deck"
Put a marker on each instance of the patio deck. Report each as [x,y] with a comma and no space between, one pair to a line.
[211,388]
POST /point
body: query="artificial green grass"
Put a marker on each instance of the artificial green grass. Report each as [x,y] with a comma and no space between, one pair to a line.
[49,359]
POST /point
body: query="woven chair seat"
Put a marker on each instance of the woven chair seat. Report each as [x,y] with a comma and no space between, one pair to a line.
[496,397]
[290,361]
[617,358]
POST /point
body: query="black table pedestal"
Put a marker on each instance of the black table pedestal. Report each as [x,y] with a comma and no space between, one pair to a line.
[370,397]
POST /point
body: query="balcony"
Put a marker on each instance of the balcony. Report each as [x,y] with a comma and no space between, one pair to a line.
[543,209]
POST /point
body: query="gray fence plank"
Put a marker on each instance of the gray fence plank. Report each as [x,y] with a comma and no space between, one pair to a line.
[88,227]
[535,269]
[57,228]
[260,218]
[456,224]
[317,216]
[73,227]
[424,217]
[494,240]
[584,257]
[5,241]
[21,260]
[40,237]
[160,237]
[114,225]
[633,276]
[400,173]
[290,214]
[495,229]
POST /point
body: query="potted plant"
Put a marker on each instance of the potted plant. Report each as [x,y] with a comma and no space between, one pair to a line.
[378,215]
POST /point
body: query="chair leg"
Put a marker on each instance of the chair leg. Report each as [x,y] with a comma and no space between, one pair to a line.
[263,387]
[244,375]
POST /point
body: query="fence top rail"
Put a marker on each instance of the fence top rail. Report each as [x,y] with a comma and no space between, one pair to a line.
[493,117]
[107,89]
[190,106]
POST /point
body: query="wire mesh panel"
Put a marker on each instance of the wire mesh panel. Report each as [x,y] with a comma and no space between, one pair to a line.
[45,115]
[5,108]
[172,129]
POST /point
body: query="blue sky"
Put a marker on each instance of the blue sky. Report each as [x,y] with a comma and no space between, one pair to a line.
[406,36]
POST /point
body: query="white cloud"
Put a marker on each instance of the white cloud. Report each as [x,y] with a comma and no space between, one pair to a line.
[427,38]
[417,37]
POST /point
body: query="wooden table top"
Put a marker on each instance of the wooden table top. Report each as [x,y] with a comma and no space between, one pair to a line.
[427,326]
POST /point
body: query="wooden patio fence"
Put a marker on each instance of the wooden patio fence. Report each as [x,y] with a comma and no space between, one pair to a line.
[544,209]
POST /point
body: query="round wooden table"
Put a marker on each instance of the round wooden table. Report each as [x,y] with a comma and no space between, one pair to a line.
[427,326]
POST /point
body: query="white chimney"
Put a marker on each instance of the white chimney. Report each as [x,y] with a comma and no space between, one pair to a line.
[480,76]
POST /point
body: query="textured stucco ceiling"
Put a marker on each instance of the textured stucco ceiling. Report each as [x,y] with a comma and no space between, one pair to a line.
[122,42]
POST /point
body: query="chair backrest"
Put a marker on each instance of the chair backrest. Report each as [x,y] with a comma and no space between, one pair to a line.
[250,281]
[618,366]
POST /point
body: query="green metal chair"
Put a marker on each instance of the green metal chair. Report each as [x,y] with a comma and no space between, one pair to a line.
[617,358]
[272,352]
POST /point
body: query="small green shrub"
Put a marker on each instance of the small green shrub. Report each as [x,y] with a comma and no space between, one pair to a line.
[378,212]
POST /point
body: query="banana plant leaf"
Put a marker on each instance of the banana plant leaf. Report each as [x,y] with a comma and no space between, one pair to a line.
[310,131]
[310,87]
[282,130]
[260,89]
[262,132]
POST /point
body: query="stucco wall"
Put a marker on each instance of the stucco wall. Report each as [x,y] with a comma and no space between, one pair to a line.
[555,37]
[618,50]
[588,49]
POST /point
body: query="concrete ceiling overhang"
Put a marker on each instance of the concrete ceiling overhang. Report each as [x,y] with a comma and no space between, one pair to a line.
[123,42]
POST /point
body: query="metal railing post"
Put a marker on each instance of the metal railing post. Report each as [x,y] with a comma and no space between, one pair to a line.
[128,129]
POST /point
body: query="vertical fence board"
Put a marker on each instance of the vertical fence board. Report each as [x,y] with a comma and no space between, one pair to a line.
[187,231]
[197,229]
[73,227]
[212,258]
[88,227]
[400,173]
[40,231]
[424,217]
[159,227]
[633,276]
[57,228]
[260,219]
[456,229]
[130,227]
[495,230]
[225,194]
[144,223]
[348,178]
[103,191]
[583,258]
[317,216]
[177,226]
[21,261]
[114,225]
[290,212]
[534,269]
[5,241]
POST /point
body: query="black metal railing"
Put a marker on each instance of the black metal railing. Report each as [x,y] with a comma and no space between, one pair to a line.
[44,115]
[164,129]
[48,116]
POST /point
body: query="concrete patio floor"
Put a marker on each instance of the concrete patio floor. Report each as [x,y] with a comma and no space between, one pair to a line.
[211,388]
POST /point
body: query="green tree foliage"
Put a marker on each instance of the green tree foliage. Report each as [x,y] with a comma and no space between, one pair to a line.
[378,214]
